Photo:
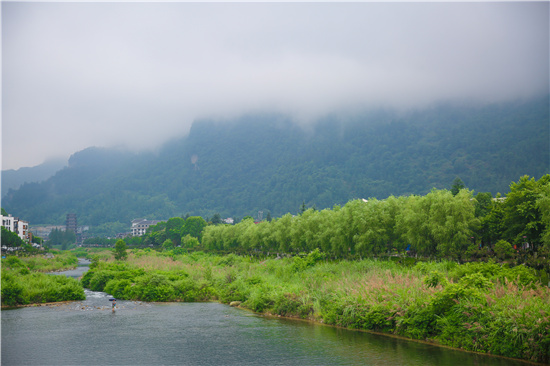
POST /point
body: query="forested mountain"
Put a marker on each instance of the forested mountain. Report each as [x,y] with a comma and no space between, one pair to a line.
[269,163]
[13,179]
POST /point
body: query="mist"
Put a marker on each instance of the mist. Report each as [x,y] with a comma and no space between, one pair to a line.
[76,75]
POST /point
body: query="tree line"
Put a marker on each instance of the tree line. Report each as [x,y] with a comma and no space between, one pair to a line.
[443,223]
[453,224]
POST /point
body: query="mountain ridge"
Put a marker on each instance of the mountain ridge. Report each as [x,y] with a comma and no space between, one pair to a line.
[269,163]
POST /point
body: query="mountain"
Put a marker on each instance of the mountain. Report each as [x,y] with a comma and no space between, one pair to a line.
[269,163]
[13,179]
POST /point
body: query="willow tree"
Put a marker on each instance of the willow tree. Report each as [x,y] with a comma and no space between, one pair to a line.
[439,223]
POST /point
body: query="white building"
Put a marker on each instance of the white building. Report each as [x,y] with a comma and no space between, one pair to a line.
[15,225]
[140,226]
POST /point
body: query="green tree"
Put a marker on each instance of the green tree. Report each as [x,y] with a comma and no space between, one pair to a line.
[523,218]
[483,203]
[543,204]
[216,219]
[11,239]
[194,226]
[439,223]
[458,184]
[61,237]
[303,208]
[174,229]
[189,241]
[120,250]
[167,245]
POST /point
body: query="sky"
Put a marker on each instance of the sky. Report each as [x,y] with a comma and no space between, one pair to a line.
[134,75]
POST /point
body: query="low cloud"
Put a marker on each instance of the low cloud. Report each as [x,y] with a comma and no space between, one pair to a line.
[83,74]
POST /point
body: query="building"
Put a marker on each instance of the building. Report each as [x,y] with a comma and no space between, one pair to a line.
[71,223]
[17,226]
[140,226]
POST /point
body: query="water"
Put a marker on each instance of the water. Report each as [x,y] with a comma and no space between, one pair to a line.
[89,333]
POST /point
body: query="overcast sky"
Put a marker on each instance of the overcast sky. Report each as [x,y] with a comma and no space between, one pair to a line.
[76,75]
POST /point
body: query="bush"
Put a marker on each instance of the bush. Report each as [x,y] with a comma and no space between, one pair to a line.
[503,250]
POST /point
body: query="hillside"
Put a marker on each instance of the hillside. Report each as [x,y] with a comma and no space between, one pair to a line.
[14,178]
[269,163]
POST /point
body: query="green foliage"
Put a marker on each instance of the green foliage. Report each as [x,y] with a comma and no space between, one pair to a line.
[435,278]
[458,184]
[20,287]
[167,245]
[300,264]
[11,239]
[503,250]
[61,237]
[189,241]
[120,250]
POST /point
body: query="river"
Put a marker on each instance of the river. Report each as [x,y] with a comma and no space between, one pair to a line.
[89,333]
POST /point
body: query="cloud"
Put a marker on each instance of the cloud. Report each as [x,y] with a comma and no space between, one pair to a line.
[82,74]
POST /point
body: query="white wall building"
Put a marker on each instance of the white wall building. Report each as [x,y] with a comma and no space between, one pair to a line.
[17,226]
[140,226]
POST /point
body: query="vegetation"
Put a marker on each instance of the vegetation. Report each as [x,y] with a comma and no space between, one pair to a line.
[23,280]
[120,250]
[483,307]
[62,238]
[11,239]
[228,168]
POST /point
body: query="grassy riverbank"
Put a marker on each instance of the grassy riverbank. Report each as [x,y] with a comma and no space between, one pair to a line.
[483,307]
[24,281]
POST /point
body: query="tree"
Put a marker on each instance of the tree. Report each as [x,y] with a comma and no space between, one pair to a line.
[543,204]
[174,228]
[439,223]
[167,245]
[216,219]
[458,184]
[189,241]
[523,219]
[483,203]
[120,250]
[11,239]
[303,208]
[194,226]
[268,217]
[61,237]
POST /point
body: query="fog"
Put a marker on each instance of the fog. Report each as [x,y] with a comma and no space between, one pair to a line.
[76,75]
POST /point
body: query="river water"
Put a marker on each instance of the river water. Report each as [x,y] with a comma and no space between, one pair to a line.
[89,333]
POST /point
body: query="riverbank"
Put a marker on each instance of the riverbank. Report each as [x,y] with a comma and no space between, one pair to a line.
[25,282]
[481,307]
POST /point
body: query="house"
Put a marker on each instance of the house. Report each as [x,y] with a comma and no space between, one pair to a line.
[17,226]
[140,226]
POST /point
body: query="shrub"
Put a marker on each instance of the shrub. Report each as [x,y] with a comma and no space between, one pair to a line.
[503,250]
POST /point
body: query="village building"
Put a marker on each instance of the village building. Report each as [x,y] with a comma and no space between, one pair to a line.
[20,227]
[140,226]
